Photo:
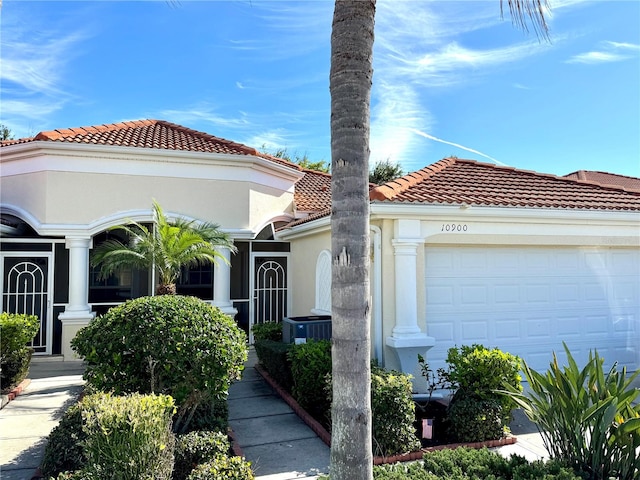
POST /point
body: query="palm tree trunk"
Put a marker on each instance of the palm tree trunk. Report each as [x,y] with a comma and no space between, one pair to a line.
[350,86]
[166,289]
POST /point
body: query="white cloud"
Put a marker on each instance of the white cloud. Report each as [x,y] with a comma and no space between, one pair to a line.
[34,70]
[609,52]
[205,114]
[270,140]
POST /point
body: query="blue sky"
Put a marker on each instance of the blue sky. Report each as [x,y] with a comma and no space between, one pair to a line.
[451,78]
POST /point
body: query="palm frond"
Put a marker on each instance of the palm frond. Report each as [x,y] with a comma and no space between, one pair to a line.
[524,12]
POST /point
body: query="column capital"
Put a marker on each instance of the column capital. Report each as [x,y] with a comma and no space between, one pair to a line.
[406,246]
[77,241]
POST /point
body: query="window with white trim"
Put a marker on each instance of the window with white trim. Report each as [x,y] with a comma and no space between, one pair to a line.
[323,284]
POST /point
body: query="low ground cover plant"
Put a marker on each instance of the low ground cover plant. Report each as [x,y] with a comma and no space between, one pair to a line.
[586,416]
[173,345]
[16,331]
[472,464]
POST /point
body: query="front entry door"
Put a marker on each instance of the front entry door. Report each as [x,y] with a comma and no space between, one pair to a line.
[26,289]
[270,292]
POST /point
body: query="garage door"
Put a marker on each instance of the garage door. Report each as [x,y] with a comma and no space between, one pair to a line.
[527,301]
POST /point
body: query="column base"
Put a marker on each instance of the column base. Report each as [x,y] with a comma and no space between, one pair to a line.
[407,350]
[226,308]
[71,323]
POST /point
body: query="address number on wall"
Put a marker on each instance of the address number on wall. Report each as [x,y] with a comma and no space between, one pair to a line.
[454,227]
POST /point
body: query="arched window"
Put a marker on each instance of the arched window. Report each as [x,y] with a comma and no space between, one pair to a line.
[323,284]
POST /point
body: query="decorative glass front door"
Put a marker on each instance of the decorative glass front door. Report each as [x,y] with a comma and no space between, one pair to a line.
[26,289]
[270,293]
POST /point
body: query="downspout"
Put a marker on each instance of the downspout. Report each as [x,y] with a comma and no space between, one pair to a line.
[377,292]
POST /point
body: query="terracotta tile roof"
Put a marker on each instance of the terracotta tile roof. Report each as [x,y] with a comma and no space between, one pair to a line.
[456,181]
[157,134]
[604,178]
[313,192]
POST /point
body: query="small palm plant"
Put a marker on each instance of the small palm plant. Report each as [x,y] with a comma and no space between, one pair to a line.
[168,246]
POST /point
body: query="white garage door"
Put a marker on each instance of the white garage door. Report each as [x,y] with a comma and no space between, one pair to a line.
[528,300]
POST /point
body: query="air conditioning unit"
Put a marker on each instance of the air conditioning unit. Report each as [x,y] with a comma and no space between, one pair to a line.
[301,329]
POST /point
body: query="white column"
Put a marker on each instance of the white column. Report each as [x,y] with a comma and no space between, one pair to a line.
[405,255]
[77,313]
[407,340]
[222,284]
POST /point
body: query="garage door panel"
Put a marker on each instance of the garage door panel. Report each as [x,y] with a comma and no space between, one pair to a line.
[475,331]
[527,300]
[507,330]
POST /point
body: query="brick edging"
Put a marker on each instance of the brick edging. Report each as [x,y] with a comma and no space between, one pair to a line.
[6,398]
[326,437]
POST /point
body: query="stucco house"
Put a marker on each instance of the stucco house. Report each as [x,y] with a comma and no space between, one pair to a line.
[462,251]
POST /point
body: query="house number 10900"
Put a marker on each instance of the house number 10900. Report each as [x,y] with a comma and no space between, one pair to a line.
[453,227]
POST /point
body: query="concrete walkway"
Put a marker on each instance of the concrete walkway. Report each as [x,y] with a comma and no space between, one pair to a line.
[26,421]
[272,437]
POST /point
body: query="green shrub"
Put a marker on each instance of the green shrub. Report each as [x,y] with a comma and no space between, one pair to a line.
[169,344]
[310,368]
[274,358]
[128,437]
[14,368]
[211,415]
[476,373]
[223,467]
[586,417]
[195,448]
[470,464]
[393,411]
[403,471]
[16,331]
[475,419]
[64,451]
[467,463]
[77,475]
[267,331]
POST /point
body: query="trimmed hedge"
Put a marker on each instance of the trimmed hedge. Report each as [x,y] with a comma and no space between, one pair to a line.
[267,331]
[310,368]
[393,411]
[274,357]
[16,331]
[170,344]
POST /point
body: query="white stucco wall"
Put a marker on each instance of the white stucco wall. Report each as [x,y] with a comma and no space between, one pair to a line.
[60,185]
[302,274]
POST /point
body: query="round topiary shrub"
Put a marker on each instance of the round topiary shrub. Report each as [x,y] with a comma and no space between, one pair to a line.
[170,344]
